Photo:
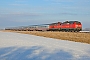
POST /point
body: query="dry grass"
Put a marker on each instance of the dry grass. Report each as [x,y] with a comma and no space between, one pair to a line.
[71,36]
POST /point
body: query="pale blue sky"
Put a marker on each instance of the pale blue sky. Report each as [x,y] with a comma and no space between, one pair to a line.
[29,12]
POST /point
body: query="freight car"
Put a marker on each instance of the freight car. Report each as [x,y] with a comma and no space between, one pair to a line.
[43,27]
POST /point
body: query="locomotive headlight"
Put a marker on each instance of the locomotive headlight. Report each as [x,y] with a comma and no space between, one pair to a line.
[79,26]
[76,26]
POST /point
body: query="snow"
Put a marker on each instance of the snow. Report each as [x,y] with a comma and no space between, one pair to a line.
[85,31]
[16,46]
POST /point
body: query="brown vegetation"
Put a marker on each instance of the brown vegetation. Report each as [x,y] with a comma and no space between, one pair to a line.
[71,36]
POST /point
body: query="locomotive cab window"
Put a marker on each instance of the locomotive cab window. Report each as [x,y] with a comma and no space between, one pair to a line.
[71,22]
[78,23]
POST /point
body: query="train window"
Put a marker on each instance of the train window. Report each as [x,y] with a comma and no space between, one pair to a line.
[78,23]
[71,22]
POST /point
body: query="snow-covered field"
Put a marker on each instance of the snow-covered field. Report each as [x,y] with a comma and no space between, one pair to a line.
[16,46]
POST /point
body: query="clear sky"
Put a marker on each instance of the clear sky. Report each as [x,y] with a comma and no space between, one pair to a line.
[30,12]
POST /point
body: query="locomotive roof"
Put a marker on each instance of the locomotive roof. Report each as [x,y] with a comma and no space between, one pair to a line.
[70,21]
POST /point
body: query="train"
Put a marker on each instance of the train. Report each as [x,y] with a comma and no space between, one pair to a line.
[67,26]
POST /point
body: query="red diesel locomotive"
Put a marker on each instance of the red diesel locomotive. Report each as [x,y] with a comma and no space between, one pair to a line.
[66,26]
